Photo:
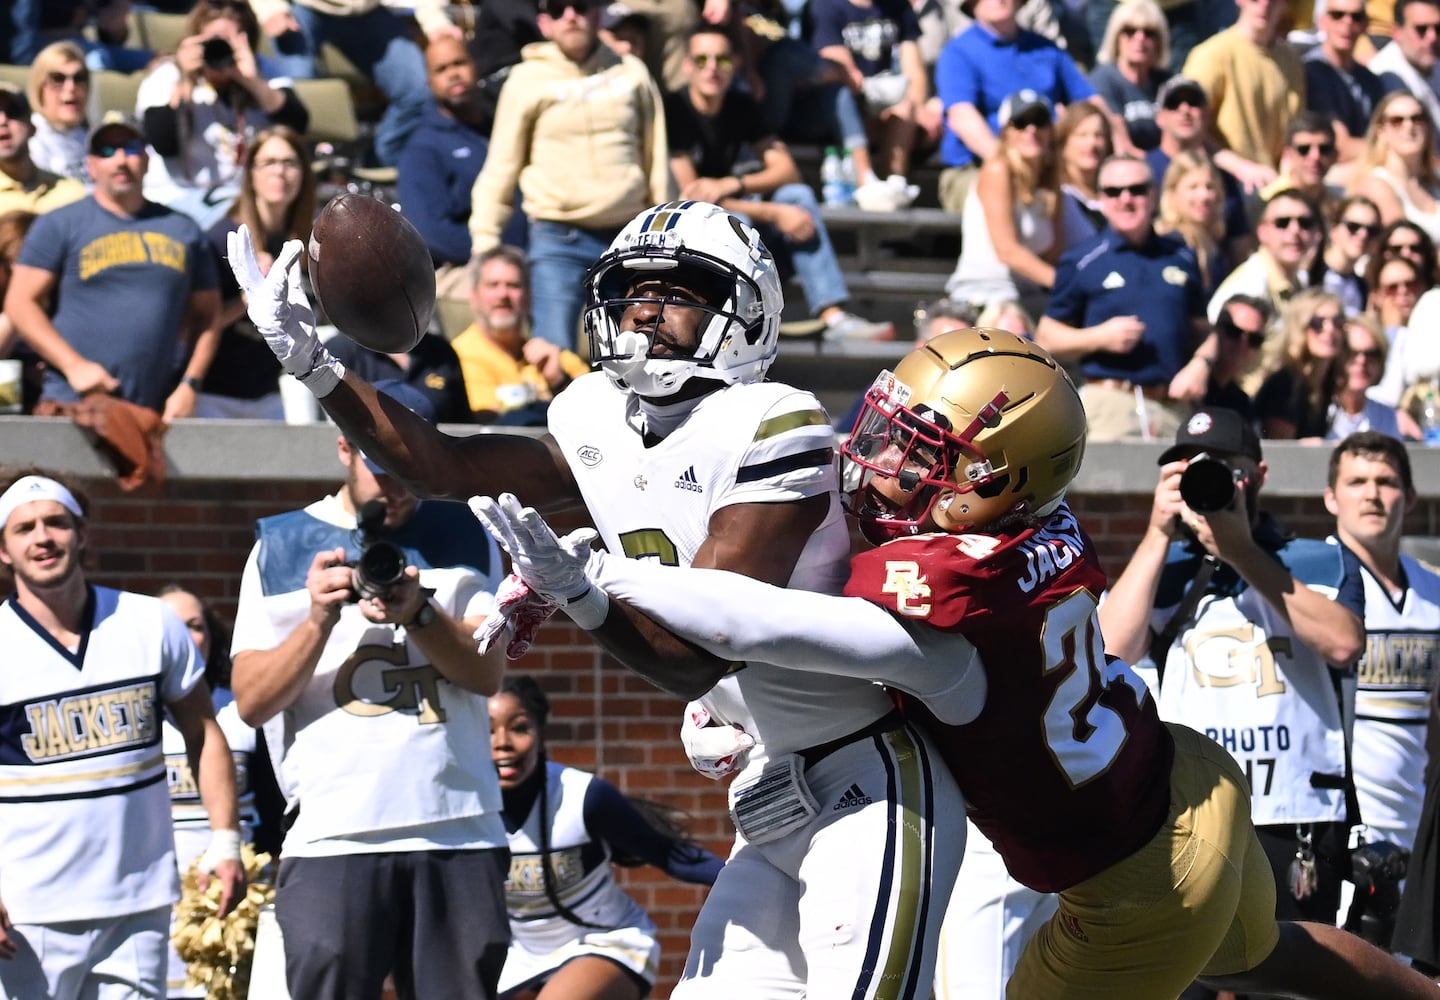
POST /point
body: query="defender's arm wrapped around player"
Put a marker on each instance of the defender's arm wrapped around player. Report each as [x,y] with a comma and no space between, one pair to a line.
[737,618]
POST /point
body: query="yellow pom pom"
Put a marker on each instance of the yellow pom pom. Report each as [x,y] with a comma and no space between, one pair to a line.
[218,950]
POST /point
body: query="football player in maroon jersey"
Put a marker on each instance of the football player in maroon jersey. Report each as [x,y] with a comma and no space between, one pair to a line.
[978,607]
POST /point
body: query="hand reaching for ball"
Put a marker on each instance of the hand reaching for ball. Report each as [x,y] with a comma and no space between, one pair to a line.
[277,305]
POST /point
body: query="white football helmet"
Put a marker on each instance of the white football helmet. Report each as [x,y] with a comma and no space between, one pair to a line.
[715,255]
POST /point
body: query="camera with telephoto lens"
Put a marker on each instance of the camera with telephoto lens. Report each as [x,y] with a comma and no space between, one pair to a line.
[1208,483]
[217,53]
[1377,869]
[381,565]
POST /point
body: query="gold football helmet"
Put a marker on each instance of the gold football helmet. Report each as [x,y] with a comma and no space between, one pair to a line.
[973,428]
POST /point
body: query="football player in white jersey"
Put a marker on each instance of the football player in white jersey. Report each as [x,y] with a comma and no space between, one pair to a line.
[680,452]
[87,857]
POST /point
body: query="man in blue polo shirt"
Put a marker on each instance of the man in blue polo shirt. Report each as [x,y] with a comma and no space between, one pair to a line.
[1129,306]
[978,69]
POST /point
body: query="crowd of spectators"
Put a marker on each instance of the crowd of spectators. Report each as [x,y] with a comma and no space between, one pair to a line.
[1279,137]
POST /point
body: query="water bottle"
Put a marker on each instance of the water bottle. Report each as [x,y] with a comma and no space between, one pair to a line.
[848,179]
[832,178]
[1430,416]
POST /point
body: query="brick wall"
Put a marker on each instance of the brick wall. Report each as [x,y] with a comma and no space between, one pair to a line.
[604,718]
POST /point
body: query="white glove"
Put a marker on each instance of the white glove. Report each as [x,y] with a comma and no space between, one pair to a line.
[281,312]
[714,750]
[520,612]
[552,566]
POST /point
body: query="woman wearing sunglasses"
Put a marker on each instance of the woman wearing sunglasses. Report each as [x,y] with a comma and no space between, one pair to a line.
[1403,238]
[1351,240]
[1131,66]
[1292,400]
[59,90]
[1401,300]
[1353,374]
[1009,236]
[1397,170]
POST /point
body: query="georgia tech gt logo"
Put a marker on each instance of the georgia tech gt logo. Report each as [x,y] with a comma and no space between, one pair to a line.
[364,686]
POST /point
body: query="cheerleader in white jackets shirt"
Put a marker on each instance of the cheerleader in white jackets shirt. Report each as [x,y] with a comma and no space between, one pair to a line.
[576,934]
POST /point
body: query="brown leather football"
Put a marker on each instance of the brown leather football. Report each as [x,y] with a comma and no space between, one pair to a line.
[372,273]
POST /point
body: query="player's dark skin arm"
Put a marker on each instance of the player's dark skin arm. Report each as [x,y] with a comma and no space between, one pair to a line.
[759,540]
[434,464]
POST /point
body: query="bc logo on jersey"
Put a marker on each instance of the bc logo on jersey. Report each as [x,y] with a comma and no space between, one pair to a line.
[364,686]
[91,724]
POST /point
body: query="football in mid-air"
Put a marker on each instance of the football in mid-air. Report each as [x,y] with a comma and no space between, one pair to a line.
[372,273]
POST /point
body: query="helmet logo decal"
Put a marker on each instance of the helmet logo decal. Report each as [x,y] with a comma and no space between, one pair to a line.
[589,455]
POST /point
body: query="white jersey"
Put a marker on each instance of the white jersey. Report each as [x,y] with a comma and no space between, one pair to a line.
[84,815]
[581,875]
[1392,703]
[758,443]
[187,812]
[192,823]
[1237,673]
[379,751]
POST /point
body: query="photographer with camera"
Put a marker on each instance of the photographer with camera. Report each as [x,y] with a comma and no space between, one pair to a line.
[203,107]
[1252,634]
[353,649]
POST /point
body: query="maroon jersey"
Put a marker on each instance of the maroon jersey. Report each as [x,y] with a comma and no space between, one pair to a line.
[1067,768]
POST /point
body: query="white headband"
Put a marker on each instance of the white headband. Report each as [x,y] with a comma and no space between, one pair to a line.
[28,488]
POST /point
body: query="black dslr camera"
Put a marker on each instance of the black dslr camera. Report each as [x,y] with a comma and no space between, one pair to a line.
[1377,869]
[1208,483]
[217,53]
[381,566]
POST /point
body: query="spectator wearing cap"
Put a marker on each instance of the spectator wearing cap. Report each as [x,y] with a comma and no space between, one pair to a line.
[1129,307]
[712,128]
[24,186]
[1182,113]
[1250,631]
[1336,83]
[1010,234]
[585,165]
[1311,150]
[1411,60]
[625,30]
[1254,81]
[442,158]
[133,286]
[977,70]
[372,696]
[1289,231]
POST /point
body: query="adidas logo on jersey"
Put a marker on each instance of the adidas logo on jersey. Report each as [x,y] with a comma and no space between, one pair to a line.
[852,798]
[687,481]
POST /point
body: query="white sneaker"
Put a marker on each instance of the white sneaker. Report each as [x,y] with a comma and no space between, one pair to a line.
[905,192]
[848,326]
[877,196]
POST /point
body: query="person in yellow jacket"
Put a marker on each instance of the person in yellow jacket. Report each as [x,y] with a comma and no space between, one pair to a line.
[509,376]
[581,129]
